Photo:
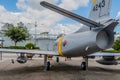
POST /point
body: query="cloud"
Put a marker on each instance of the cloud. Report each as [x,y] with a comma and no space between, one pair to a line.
[36,4]
[65,28]
[2,9]
[73,4]
[21,5]
[118,15]
[31,11]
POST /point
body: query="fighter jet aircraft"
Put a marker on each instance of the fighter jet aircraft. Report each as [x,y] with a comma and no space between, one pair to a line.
[98,35]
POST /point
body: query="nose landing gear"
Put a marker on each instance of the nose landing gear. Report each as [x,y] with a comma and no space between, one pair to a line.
[84,64]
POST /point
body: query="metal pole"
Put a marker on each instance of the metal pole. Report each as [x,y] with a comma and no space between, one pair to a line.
[0,55]
[1,46]
[1,41]
[45,62]
[35,32]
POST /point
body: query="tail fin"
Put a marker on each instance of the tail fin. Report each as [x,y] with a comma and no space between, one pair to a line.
[100,11]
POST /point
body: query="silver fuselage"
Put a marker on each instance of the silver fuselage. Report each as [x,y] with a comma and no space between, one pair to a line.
[84,43]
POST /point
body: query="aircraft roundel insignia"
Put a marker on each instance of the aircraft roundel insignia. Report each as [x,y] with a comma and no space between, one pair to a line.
[64,42]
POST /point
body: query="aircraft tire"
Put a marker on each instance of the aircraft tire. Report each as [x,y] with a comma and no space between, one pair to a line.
[57,59]
[83,65]
[48,66]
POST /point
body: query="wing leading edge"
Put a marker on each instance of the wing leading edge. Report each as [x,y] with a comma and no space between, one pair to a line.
[29,51]
[104,54]
[71,15]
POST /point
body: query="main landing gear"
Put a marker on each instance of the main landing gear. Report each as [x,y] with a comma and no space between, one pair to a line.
[84,64]
[46,63]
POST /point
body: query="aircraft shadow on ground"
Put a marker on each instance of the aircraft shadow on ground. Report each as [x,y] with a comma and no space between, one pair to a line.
[59,67]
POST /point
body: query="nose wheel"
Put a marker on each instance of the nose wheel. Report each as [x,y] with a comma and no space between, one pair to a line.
[57,59]
[84,64]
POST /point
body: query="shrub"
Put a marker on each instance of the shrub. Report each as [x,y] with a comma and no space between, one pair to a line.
[17,47]
[36,48]
[111,51]
[116,45]
[118,58]
[29,46]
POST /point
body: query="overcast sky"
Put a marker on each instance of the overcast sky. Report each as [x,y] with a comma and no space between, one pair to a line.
[29,11]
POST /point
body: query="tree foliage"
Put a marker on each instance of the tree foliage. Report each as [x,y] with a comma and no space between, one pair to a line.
[17,33]
[116,44]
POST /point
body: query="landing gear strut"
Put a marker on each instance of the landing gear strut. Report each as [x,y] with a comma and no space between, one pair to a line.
[57,59]
[84,64]
[46,63]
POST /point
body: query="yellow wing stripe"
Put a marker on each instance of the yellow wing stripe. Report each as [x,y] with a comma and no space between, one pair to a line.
[60,46]
[94,1]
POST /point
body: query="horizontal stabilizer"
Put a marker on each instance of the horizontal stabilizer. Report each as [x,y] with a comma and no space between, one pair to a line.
[71,15]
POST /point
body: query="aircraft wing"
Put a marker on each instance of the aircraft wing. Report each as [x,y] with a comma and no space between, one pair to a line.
[29,51]
[104,54]
[71,15]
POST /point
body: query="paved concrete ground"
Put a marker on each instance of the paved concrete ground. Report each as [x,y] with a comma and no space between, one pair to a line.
[65,70]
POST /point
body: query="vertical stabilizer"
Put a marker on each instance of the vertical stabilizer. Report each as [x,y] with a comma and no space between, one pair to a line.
[100,11]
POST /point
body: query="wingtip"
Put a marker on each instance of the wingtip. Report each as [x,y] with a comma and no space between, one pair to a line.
[42,3]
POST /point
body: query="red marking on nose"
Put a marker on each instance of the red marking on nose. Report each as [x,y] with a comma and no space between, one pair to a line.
[64,42]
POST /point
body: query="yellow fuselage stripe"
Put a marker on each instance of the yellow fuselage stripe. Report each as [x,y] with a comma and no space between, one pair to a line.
[60,46]
[94,1]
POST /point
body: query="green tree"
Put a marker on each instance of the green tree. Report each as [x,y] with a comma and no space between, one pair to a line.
[116,44]
[17,33]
